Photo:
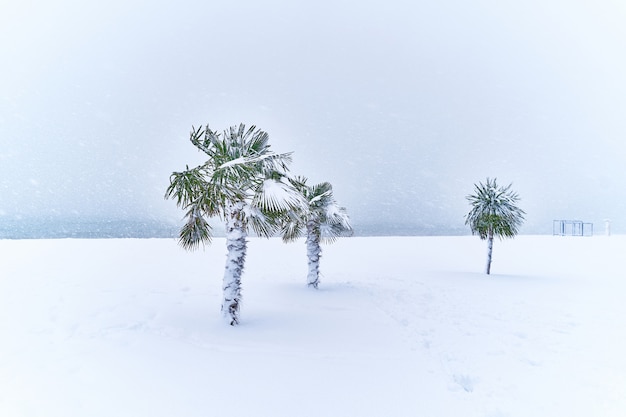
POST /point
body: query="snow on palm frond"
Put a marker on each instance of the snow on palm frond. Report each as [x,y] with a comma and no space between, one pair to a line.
[320,197]
[275,195]
[237,161]
[275,162]
[336,224]
[329,233]
[262,223]
[266,162]
[293,227]
[337,215]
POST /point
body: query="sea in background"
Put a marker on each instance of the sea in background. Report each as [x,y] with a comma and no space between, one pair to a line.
[42,228]
[85,229]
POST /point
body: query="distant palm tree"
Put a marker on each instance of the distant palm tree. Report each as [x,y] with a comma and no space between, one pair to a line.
[494,213]
[322,219]
[244,184]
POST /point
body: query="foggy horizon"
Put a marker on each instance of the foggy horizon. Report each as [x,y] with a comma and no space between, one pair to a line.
[402,106]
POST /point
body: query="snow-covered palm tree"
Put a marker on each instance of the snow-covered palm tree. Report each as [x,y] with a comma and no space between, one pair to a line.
[244,184]
[321,219]
[494,213]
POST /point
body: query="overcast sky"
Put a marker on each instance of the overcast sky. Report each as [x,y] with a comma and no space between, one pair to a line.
[401,105]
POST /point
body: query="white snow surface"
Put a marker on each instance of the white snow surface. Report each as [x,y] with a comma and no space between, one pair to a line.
[399,327]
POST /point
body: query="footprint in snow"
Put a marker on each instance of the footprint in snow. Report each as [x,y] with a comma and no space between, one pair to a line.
[464,381]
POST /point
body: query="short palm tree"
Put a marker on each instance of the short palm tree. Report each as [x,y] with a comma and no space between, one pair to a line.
[321,218]
[244,184]
[494,213]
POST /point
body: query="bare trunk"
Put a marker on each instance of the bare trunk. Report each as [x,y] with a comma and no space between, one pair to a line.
[314,252]
[489,251]
[236,245]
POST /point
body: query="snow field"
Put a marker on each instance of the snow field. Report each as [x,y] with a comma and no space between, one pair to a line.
[400,326]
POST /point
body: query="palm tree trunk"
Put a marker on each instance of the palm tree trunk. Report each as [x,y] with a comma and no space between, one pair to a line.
[489,251]
[236,245]
[314,252]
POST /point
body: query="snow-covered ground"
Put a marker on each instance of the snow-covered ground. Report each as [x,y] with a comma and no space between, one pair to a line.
[400,327]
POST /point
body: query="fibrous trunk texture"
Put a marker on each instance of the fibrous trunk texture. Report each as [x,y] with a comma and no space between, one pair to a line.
[314,252]
[489,250]
[235,258]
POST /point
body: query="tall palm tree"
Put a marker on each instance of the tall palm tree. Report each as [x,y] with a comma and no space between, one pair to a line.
[322,219]
[245,185]
[494,213]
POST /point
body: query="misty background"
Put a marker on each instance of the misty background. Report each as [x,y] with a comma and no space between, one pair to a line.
[401,105]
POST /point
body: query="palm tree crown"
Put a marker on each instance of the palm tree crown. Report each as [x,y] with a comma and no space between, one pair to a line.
[494,211]
[241,174]
[321,211]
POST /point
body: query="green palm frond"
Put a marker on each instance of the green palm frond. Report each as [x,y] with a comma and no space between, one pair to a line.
[240,170]
[257,142]
[195,231]
[186,186]
[320,196]
[198,138]
[263,223]
[321,212]
[299,183]
[205,139]
[295,220]
[293,227]
[494,210]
